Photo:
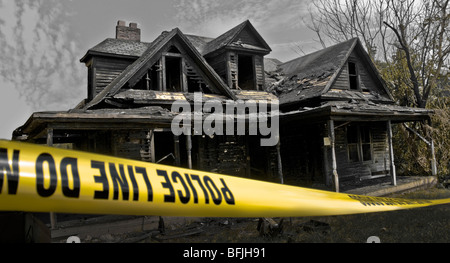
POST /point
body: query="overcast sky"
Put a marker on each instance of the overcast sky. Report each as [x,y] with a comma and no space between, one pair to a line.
[41,41]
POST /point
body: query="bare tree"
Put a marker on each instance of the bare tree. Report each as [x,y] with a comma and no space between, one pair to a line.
[422,33]
[417,28]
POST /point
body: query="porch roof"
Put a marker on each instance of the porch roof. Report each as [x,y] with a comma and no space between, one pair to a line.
[358,111]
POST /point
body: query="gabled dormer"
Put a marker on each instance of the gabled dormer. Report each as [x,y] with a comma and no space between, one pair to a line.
[112,56]
[343,72]
[238,57]
[170,65]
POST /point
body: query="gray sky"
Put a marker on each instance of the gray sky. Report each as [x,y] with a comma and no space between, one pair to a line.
[41,41]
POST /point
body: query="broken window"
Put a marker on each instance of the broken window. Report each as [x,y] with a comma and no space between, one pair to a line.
[353,76]
[359,144]
[177,74]
[246,73]
[194,81]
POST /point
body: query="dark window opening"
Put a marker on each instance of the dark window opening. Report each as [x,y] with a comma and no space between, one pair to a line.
[196,85]
[246,73]
[164,148]
[173,74]
[150,81]
[353,76]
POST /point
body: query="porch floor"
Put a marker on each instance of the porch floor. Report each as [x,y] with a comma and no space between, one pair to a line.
[383,186]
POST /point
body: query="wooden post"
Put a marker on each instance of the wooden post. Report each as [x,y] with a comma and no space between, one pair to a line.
[433,159]
[50,143]
[152,145]
[162,73]
[391,154]
[333,154]
[176,140]
[280,167]
[189,150]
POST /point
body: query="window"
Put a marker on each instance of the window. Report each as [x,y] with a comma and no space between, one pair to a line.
[366,141]
[352,143]
[359,143]
[173,74]
[246,73]
[353,76]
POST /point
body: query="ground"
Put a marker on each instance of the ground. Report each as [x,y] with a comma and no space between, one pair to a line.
[421,225]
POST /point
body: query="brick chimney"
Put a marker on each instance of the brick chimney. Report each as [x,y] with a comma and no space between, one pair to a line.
[131,32]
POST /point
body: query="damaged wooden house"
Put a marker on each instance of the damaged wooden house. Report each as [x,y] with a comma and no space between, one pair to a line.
[337,116]
[335,110]
[132,85]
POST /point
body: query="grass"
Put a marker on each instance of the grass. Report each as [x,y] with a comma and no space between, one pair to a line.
[420,225]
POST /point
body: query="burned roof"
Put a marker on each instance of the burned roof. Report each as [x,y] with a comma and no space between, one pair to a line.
[358,111]
[199,42]
[313,75]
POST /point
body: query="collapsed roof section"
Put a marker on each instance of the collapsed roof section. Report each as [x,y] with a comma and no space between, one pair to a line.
[313,76]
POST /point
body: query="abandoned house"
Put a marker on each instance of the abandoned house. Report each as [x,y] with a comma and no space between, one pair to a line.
[335,110]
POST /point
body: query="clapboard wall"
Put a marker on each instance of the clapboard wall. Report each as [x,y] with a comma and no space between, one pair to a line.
[103,70]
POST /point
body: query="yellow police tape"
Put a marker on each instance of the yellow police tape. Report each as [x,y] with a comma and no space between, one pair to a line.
[43,179]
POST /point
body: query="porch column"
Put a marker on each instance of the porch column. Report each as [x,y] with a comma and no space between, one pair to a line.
[176,140]
[280,167]
[50,143]
[333,154]
[433,159]
[189,150]
[391,154]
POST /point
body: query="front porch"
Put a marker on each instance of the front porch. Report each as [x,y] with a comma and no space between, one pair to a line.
[383,186]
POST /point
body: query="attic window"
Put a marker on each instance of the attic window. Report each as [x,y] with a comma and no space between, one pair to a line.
[353,76]
[173,74]
[246,73]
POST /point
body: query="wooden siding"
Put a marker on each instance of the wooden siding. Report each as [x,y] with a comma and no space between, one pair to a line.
[219,64]
[225,154]
[135,145]
[378,166]
[104,71]
[367,82]
[259,72]
[246,37]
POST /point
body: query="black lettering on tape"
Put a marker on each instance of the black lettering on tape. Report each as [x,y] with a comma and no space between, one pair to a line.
[66,190]
[194,192]
[170,198]
[119,180]
[40,187]
[104,194]
[217,199]
[11,174]
[199,181]
[143,171]
[134,183]
[227,194]
[184,198]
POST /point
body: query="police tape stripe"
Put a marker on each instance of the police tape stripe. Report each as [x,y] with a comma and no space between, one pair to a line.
[43,179]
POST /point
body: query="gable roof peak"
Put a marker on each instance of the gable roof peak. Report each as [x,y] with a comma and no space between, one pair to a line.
[228,37]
